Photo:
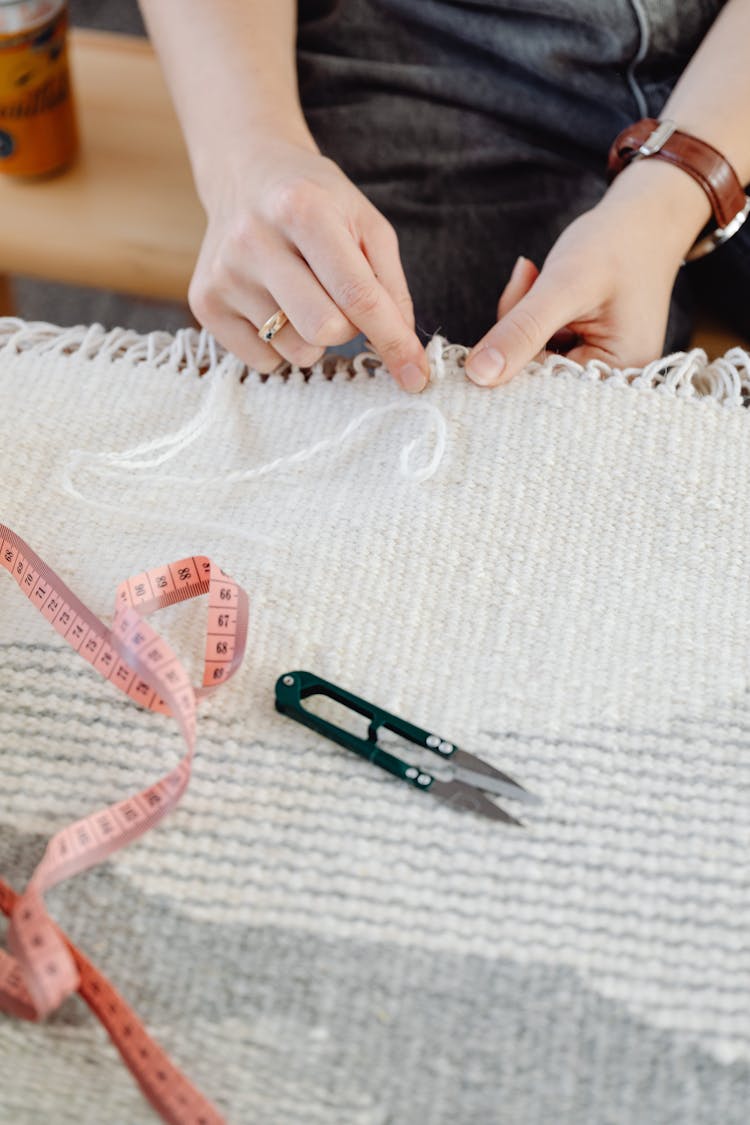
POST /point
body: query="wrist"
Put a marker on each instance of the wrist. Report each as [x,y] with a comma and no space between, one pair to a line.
[666,199]
[232,156]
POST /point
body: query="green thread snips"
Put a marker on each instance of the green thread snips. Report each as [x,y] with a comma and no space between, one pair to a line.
[457,778]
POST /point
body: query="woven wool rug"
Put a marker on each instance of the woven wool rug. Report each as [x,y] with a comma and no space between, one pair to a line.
[553,574]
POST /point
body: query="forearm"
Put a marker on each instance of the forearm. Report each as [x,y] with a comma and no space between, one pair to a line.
[231,69]
[711,101]
[712,98]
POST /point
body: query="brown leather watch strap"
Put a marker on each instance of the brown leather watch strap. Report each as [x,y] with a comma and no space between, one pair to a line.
[699,159]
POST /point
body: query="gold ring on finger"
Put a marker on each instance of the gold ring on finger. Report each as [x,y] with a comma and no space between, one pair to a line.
[273,325]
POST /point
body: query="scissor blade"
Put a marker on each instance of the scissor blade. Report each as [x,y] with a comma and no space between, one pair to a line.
[460,796]
[473,771]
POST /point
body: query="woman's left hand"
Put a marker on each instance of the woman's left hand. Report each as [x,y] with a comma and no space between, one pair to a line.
[607,281]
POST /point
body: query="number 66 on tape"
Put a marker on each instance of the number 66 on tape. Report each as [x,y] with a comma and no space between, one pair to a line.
[44,966]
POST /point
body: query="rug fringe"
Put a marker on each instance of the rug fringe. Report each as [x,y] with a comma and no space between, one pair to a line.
[690,374]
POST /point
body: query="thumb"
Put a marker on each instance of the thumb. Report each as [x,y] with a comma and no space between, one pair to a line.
[518,336]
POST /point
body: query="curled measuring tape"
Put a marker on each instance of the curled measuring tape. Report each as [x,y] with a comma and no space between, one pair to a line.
[43,967]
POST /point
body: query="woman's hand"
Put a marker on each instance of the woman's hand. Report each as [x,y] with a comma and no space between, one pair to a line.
[287,229]
[607,281]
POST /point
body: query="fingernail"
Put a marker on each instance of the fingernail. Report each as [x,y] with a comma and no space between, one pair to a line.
[485,366]
[412,378]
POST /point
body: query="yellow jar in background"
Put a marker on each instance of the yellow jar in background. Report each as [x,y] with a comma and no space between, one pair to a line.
[38,131]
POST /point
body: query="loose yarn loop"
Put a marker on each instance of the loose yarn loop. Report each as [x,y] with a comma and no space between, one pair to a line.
[166,448]
[688,375]
[337,443]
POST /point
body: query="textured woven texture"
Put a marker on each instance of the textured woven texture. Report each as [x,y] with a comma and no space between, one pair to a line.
[566,595]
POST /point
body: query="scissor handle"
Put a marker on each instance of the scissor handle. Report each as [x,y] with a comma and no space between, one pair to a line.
[293,687]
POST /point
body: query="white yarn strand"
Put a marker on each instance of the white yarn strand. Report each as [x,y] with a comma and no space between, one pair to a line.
[166,446]
[123,464]
[724,381]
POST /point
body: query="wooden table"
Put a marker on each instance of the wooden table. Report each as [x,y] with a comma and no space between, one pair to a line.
[125,216]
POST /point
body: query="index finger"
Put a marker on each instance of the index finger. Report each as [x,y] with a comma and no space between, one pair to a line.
[345,273]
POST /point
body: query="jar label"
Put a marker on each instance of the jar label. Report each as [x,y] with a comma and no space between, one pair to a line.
[37,120]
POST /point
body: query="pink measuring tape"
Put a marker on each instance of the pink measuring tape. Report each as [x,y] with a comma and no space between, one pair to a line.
[43,967]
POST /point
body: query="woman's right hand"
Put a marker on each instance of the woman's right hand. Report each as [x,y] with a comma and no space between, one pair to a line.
[287,229]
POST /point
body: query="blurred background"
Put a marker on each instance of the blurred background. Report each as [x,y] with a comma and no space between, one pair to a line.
[65,304]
